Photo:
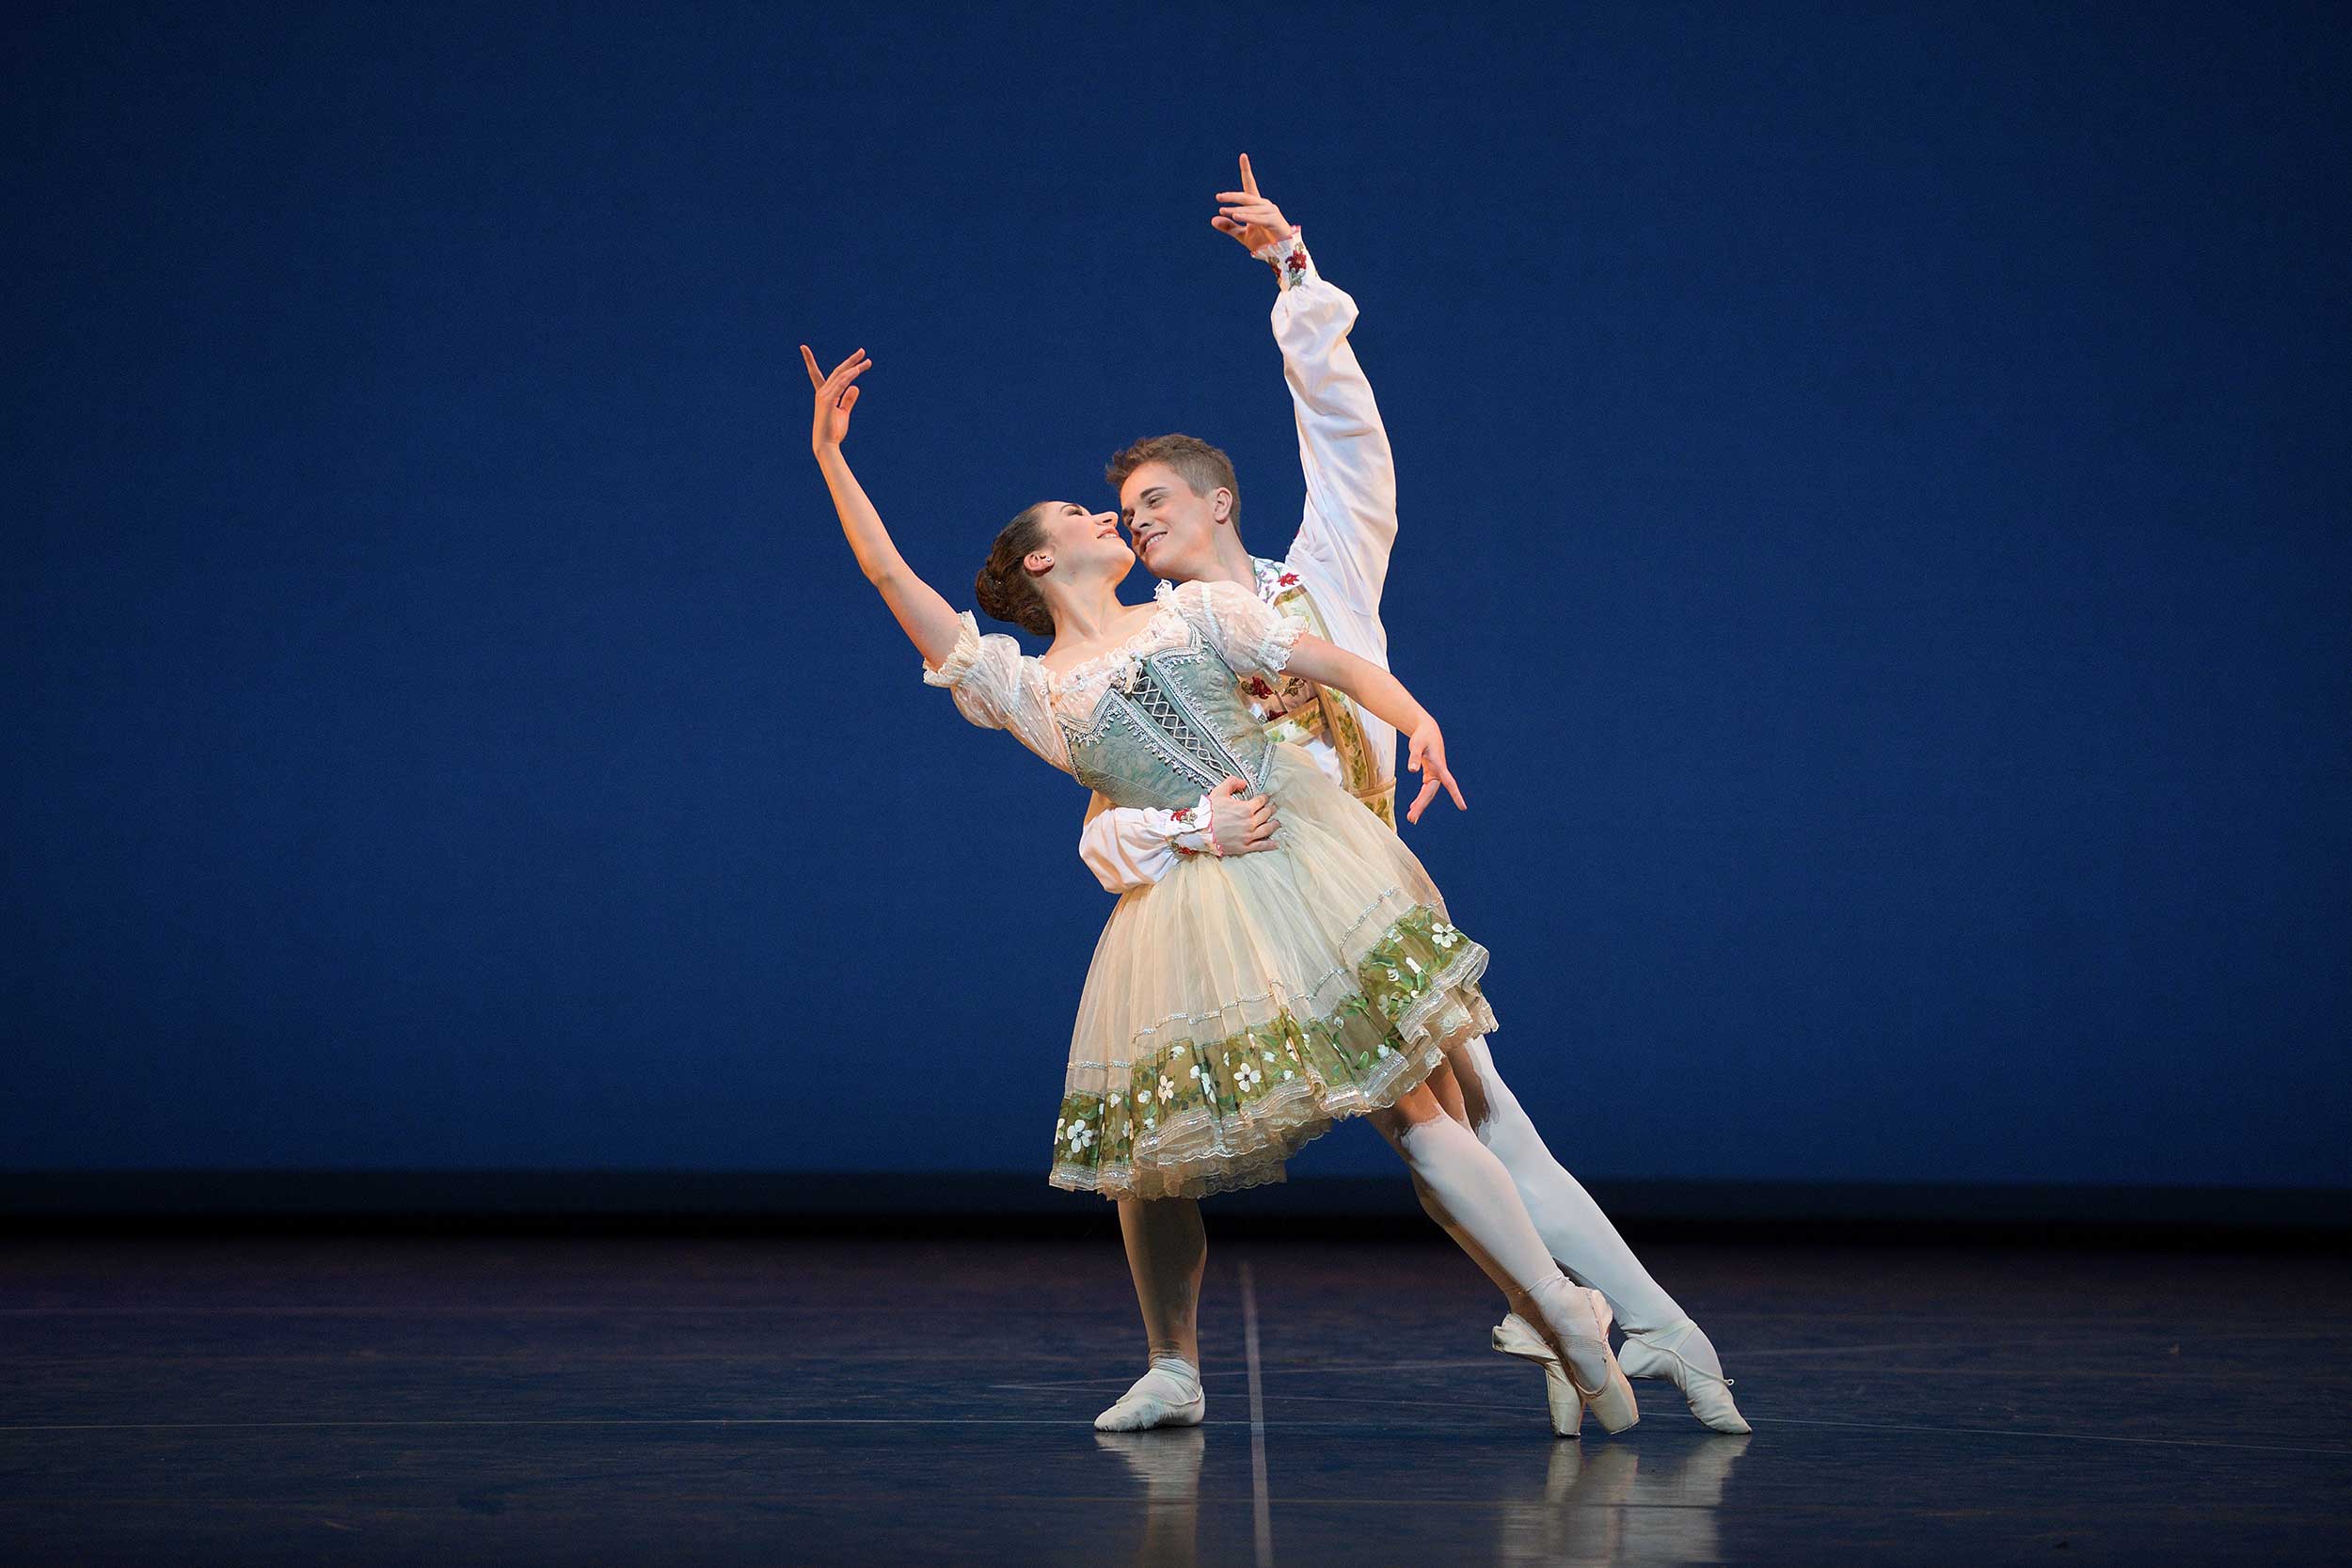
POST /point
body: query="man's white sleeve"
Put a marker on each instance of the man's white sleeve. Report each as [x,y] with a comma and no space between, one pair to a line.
[1132,847]
[1350,524]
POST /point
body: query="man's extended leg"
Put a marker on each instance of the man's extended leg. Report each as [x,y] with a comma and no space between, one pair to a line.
[1661,1338]
[1467,1192]
[1571,1224]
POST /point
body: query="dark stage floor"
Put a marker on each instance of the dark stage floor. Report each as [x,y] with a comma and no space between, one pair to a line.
[731,1401]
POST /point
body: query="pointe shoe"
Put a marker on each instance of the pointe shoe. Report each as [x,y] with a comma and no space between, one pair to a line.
[1513,1337]
[1655,1353]
[1516,1336]
[1610,1396]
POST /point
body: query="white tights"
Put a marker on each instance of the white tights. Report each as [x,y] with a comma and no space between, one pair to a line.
[1564,1215]
[1465,1188]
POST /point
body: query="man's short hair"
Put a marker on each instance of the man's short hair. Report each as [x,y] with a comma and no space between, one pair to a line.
[1201,466]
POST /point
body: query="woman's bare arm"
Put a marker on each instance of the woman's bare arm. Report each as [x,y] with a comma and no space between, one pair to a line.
[1326,664]
[929,622]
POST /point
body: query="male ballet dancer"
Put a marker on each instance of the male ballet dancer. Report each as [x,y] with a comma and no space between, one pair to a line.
[1181,502]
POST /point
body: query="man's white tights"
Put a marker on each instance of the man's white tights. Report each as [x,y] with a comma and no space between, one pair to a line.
[1564,1215]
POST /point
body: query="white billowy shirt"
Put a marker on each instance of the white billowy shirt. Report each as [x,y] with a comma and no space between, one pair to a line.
[1340,556]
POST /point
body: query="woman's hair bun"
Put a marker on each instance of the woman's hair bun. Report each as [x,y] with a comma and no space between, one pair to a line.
[1004,588]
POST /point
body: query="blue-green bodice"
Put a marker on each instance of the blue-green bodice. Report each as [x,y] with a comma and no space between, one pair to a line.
[1168,730]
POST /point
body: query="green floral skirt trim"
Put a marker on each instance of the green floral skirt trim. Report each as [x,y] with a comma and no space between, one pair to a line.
[1198,1116]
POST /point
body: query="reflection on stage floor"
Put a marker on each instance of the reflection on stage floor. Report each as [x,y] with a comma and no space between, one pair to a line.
[796,1400]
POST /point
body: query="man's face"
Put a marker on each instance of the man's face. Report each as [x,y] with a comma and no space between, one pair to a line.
[1173,529]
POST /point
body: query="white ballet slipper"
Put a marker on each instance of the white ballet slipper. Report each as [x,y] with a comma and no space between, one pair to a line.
[1168,1395]
[1657,1352]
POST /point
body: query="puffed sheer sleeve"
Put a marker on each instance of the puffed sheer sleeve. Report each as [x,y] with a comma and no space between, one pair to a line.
[998,688]
[1248,633]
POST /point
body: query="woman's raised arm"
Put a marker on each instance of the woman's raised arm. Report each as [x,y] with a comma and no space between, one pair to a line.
[929,622]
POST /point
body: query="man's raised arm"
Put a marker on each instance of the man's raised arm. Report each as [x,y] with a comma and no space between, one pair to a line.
[1350,522]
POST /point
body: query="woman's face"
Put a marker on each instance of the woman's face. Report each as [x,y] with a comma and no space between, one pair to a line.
[1078,538]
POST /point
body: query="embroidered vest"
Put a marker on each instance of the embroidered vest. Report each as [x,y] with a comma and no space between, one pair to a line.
[1313,710]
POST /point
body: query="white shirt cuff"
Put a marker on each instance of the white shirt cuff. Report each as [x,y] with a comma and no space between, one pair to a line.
[1192,837]
[1289,258]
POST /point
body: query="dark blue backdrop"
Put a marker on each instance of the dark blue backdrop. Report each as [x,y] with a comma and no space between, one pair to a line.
[1874,525]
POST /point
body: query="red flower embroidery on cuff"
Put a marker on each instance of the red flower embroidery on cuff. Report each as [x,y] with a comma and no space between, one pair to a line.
[1298,262]
[1286,579]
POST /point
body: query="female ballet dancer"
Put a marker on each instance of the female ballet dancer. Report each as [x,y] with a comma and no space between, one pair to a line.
[1240,1006]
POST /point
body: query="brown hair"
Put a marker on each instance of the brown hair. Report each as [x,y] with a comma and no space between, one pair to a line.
[1004,587]
[1201,466]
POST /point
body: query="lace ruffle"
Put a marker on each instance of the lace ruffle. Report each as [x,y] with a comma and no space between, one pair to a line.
[1246,632]
[958,665]
[1077,689]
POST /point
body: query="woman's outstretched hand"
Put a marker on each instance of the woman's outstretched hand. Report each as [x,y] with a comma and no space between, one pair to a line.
[836,397]
[1426,756]
[1325,663]
[929,622]
[1248,216]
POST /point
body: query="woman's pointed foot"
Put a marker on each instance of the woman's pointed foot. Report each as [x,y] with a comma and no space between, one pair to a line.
[1515,1336]
[1575,1321]
[1681,1354]
[1168,1395]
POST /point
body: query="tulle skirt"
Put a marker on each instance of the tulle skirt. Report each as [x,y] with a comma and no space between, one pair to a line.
[1240,1006]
